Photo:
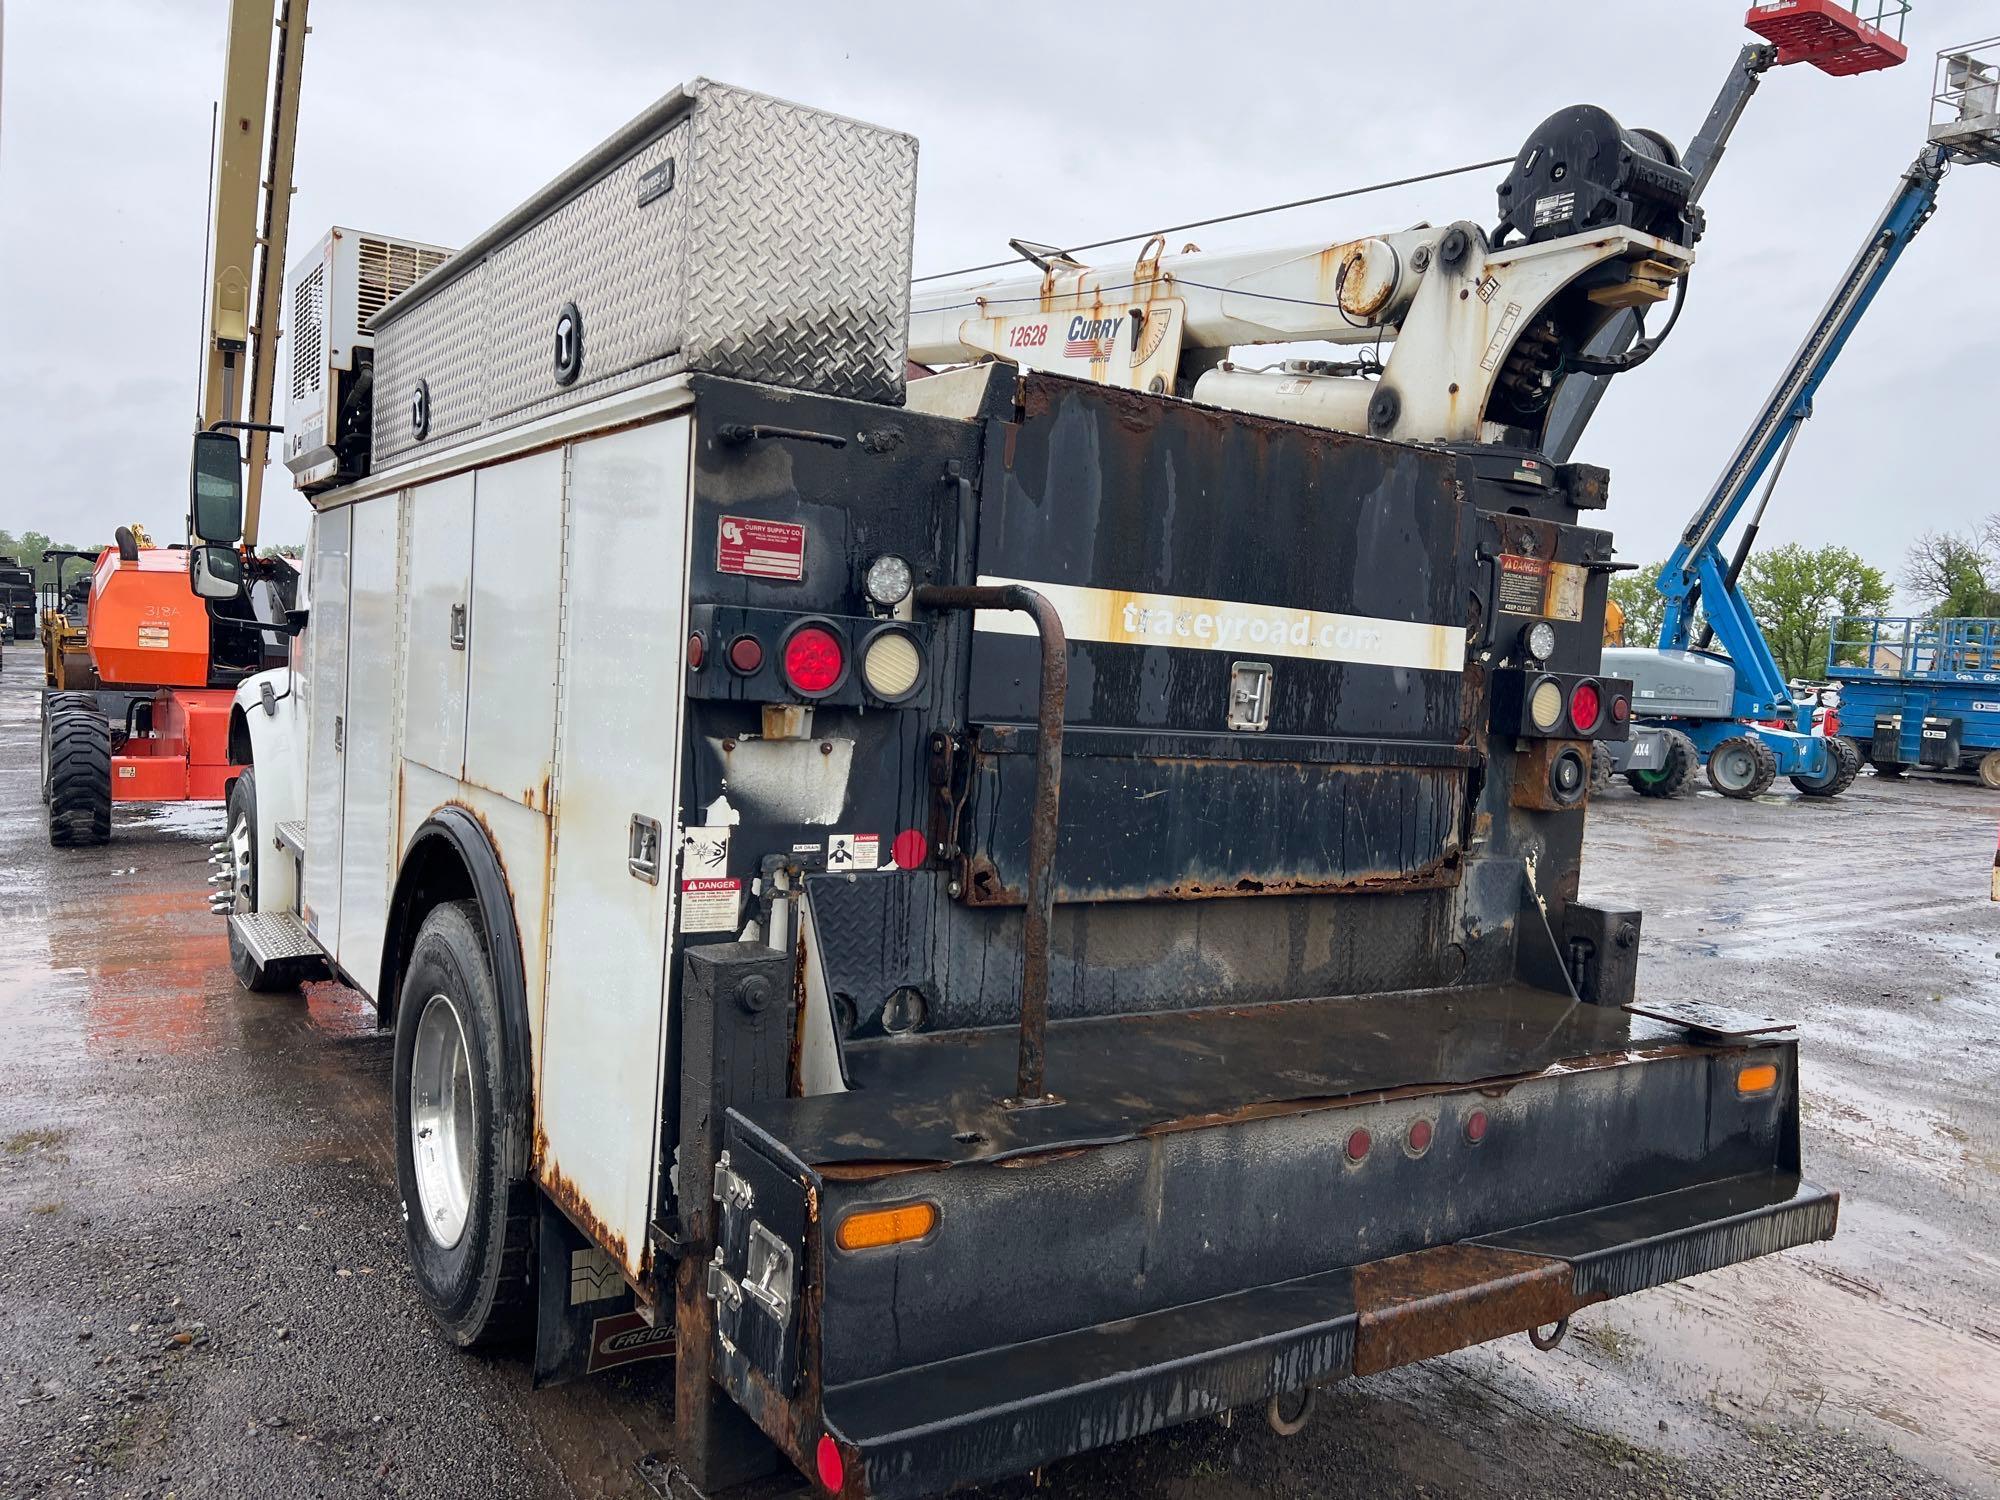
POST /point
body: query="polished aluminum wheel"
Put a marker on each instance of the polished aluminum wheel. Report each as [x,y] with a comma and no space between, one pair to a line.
[444,1123]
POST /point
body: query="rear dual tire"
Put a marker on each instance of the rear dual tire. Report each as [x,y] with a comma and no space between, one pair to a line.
[468,1206]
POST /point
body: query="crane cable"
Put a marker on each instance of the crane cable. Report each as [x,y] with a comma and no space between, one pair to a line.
[1248,213]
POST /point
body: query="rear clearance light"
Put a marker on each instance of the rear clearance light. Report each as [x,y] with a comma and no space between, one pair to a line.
[891,664]
[1586,706]
[873,1228]
[815,660]
[1358,1142]
[697,651]
[1756,1078]
[746,654]
[1621,710]
[1475,1126]
[832,1468]
[1419,1137]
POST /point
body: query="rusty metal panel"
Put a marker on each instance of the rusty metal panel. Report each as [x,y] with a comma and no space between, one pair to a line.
[1338,560]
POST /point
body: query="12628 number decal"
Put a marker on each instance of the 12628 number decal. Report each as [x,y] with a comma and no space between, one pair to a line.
[1028,336]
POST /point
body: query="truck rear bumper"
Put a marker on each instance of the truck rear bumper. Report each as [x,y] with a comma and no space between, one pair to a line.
[921,1430]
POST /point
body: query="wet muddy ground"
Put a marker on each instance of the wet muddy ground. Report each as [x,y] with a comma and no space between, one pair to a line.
[202,1289]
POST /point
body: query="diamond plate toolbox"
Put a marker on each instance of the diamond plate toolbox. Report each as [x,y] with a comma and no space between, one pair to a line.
[721,230]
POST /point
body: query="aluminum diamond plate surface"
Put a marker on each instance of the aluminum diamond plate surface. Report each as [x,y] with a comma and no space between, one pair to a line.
[773,277]
[780,253]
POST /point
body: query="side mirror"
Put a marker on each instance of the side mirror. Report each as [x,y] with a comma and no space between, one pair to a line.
[215,486]
[215,572]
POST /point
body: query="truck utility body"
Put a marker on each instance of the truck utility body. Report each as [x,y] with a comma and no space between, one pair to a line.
[988,920]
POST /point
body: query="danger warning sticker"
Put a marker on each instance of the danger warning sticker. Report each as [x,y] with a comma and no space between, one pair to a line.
[153,637]
[710,905]
[1522,581]
[761,549]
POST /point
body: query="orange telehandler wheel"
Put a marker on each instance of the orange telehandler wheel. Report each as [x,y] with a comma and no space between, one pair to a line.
[79,775]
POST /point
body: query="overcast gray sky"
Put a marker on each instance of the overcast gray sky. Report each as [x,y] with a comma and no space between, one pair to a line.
[1059,124]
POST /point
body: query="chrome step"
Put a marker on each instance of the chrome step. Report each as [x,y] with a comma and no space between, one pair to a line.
[273,936]
[292,836]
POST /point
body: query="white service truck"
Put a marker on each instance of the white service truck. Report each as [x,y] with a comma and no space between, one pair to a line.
[992,916]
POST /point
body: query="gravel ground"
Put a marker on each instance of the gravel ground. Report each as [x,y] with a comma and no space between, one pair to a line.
[202,1290]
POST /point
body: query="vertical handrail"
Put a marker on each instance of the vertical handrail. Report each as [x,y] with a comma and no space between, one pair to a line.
[1030,1080]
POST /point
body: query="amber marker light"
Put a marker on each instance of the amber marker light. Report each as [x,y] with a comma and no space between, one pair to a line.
[1756,1078]
[872,1228]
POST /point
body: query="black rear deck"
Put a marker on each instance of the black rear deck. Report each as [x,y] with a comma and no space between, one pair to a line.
[938,1098]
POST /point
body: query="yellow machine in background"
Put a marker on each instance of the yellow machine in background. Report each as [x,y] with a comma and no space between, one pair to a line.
[1614,623]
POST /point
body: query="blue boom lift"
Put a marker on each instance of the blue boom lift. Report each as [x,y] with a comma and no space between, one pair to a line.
[1711,701]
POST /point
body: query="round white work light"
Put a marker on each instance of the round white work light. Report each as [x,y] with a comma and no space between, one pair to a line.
[888,581]
[891,664]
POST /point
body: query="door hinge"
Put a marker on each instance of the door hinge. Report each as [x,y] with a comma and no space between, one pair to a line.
[458,627]
[339,734]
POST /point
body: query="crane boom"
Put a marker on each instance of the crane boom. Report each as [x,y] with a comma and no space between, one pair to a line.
[1696,563]
[251,215]
[1576,401]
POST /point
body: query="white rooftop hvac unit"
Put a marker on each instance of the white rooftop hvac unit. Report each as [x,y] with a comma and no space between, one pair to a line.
[331,294]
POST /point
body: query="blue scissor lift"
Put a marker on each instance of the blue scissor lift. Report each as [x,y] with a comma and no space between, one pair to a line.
[1716,698]
[1916,691]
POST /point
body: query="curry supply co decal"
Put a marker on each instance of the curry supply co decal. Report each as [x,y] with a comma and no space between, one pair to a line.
[1132,619]
[760,549]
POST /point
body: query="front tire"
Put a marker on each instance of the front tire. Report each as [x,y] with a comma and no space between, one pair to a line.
[468,1208]
[240,836]
[1742,767]
[1846,766]
[79,775]
[1989,769]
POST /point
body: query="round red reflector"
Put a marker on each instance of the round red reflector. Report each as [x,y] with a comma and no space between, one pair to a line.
[1475,1126]
[1420,1137]
[909,849]
[746,654]
[832,1471]
[697,651]
[1586,705]
[1621,710]
[813,659]
[1358,1142]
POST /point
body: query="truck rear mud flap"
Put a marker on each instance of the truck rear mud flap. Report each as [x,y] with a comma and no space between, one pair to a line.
[918,1431]
[938,1287]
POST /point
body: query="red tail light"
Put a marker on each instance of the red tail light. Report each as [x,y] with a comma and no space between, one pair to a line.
[1586,705]
[815,659]
[746,654]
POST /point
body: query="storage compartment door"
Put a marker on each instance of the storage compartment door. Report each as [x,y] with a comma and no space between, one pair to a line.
[326,732]
[516,577]
[368,820]
[618,758]
[437,623]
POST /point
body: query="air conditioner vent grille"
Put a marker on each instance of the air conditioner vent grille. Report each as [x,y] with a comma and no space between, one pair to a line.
[387,270]
[309,334]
